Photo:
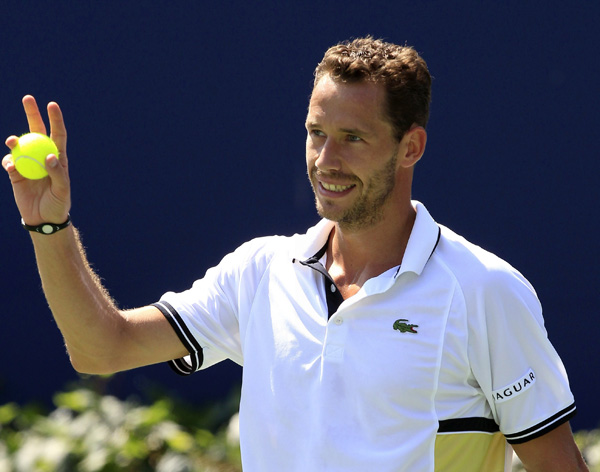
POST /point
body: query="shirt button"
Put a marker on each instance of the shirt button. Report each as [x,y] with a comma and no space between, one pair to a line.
[332,288]
[339,321]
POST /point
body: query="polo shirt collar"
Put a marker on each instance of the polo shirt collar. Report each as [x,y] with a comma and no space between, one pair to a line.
[422,242]
[314,240]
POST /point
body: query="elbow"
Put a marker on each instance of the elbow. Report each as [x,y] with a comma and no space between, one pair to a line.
[91,366]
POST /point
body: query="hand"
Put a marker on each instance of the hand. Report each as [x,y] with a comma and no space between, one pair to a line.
[47,200]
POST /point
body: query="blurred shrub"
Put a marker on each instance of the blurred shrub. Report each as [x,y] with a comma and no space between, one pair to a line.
[90,432]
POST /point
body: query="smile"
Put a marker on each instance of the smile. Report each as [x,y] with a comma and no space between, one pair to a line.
[336,188]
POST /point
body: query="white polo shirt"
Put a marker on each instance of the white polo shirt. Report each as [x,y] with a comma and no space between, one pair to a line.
[427,368]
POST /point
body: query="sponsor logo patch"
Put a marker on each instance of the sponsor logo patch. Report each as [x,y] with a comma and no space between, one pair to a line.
[515,389]
[404,326]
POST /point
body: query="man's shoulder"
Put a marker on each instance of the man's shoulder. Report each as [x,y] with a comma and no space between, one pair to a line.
[265,248]
[475,267]
[457,248]
[262,247]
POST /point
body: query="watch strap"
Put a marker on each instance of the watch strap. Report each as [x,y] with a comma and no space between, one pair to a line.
[47,228]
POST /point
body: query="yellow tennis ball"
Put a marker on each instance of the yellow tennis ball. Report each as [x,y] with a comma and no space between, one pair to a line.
[29,155]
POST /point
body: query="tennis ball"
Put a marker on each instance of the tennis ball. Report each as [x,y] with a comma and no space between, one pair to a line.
[29,155]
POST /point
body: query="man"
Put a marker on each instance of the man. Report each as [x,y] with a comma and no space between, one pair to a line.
[378,340]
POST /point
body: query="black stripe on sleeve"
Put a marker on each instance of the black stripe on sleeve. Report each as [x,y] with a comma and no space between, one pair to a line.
[543,427]
[182,366]
[463,425]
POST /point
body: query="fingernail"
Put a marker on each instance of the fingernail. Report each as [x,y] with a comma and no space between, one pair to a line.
[52,160]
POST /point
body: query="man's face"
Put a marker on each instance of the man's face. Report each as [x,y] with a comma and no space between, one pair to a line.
[351,152]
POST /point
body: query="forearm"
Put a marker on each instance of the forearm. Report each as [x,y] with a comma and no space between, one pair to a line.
[99,337]
[86,315]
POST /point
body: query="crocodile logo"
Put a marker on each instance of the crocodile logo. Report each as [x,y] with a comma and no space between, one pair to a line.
[403,326]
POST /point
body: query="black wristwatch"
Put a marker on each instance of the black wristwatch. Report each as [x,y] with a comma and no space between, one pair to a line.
[47,228]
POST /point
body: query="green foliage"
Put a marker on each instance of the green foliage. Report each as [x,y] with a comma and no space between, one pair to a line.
[589,445]
[90,432]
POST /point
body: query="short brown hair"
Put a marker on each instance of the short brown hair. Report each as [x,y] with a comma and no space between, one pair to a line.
[399,69]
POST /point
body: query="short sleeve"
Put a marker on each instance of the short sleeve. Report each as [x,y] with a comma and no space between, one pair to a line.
[513,360]
[206,316]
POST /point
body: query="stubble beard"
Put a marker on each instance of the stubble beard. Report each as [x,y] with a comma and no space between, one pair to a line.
[367,210]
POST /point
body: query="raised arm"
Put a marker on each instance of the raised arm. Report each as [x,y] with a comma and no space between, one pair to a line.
[99,337]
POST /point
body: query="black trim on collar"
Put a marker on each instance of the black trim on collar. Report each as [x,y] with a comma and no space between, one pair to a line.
[332,294]
[432,251]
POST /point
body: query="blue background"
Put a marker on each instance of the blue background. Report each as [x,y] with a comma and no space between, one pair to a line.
[186,139]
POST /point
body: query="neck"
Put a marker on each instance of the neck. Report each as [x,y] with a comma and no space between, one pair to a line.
[353,257]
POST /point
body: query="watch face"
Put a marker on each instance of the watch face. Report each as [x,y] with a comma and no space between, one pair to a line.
[47,229]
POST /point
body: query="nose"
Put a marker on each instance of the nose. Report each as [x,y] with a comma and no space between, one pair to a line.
[328,157]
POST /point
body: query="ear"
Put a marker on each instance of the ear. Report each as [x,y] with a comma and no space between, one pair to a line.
[415,140]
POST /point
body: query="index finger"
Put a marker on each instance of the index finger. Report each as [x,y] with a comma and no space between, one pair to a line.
[34,118]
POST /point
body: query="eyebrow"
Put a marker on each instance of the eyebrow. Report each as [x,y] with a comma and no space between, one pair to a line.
[356,131]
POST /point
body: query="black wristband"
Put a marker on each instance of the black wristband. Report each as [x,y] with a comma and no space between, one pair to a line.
[47,228]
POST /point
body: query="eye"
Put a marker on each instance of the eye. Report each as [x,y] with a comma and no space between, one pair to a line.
[354,138]
[316,132]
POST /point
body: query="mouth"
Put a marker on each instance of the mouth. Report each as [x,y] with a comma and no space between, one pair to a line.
[334,191]
[336,187]
[329,186]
